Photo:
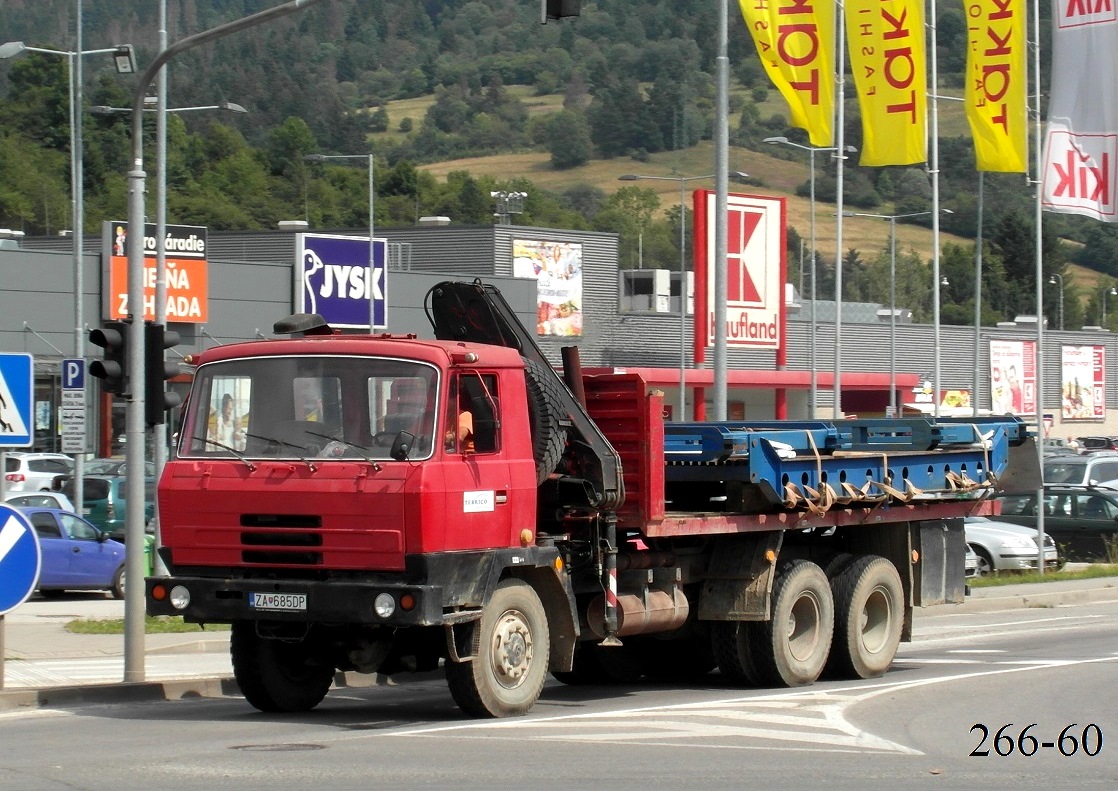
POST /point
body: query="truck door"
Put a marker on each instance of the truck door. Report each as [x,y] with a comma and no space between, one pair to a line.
[477,478]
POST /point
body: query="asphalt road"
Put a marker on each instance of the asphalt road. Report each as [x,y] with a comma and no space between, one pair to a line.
[914,728]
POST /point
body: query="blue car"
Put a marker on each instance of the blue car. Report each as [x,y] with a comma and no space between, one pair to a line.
[76,555]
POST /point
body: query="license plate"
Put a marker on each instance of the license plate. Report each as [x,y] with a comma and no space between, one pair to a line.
[290,602]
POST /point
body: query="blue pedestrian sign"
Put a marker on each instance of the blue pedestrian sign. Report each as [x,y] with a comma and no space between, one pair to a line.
[17,384]
[20,559]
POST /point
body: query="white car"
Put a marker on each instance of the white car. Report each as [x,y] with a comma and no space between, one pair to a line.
[34,472]
[1002,546]
[40,500]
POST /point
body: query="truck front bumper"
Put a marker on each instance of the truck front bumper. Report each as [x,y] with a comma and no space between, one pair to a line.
[213,600]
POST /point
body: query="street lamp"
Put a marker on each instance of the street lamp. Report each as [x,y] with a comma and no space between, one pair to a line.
[814,386]
[1052,281]
[372,245]
[1114,293]
[123,57]
[508,203]
[892,218]
[101,109]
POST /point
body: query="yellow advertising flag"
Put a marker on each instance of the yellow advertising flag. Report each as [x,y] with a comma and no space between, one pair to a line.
[887,57]
[996,79]
[795,39]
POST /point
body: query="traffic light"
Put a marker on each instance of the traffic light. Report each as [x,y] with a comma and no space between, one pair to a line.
[112,368]
[157,370]
[558,9]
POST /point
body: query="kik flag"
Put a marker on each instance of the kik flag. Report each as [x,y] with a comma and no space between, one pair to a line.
[1081,148]
[887,58]
[795,39]
[996,84]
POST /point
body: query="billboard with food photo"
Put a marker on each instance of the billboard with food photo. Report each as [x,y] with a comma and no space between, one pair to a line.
[557,269]
[1083,383]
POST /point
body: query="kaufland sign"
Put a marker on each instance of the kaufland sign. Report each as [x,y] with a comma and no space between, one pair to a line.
[1081,151]
[755,264]
[332,278]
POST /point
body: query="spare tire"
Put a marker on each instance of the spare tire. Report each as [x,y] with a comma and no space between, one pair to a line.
[545,417]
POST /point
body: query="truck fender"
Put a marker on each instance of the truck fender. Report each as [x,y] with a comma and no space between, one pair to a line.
[739,577]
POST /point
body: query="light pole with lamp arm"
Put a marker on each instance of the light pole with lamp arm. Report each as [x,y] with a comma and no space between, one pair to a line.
[125,64]
[814,385]
[892,218]
[683,180]
[372,244]
[1052,279]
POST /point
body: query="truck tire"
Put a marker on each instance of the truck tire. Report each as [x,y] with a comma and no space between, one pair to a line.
[869,611]
[506,676]
[729,641]
[545,416]
[276,675]
[791,648]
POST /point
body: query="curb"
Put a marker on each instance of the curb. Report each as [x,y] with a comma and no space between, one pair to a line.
[124,692]
[1039,600]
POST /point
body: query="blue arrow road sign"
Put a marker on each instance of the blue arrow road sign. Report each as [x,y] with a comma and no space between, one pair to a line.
[20,558]
[16,387]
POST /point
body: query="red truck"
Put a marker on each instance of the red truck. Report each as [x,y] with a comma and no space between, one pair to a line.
[384,503]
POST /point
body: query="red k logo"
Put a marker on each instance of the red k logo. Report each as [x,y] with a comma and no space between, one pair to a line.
[741,286]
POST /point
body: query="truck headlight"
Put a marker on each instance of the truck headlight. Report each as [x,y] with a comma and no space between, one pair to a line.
[180,597]
[384,605]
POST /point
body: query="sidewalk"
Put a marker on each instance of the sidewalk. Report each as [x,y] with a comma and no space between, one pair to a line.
[45,665]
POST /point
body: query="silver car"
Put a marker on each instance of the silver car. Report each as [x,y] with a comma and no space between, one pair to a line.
[1002,546]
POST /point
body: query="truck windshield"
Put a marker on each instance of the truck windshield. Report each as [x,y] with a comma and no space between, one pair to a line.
[325,407]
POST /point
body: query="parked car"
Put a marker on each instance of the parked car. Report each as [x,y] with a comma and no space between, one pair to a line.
[1083,520]
[1003,546]
[1097,443]
[34,472]
[970,564]
[113,466]
[76,555]
[40,500]
[1080,470]
[105,501]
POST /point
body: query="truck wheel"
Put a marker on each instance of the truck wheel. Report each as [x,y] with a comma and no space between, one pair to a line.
[506,676]
[729,641]
[791,649]
[545,415]
[276,675]
[869,610]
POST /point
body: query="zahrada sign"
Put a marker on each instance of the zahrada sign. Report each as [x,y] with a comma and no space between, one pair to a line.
[187,272]
[755,264]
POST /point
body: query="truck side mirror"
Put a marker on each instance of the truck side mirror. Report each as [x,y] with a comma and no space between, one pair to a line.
[402,445]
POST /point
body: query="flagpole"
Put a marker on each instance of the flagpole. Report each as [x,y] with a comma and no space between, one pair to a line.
[840,93]
[936,388]
[1038,353]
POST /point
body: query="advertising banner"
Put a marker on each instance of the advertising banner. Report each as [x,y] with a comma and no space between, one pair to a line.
[755,265]
[1083,383]
[557,269]
[1081,146]
[888,62]
[1013,377]
[996,79]
[332,279]
[796,42]
[187,272]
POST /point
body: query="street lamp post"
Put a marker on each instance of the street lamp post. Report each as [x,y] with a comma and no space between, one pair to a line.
[1114,293]
[1052,281]
[372,244]
[101,109]
[682,275]
[814,386]
[124,61]
[892,218]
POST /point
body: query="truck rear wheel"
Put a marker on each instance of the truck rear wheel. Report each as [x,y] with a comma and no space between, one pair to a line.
[513,642]
[791,648]
[869,610]
[730,643]
[545,415]
[277,675]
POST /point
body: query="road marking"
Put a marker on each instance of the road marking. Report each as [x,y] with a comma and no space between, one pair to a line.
[977,651]
[10,533]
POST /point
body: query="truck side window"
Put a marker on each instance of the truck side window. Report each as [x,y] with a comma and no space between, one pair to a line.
[471,419]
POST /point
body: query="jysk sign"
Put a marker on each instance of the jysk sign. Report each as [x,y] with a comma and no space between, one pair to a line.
[187,272]
[332,279]
[20,559]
